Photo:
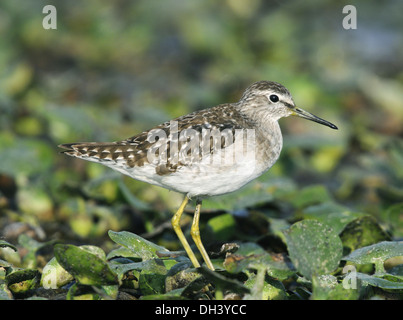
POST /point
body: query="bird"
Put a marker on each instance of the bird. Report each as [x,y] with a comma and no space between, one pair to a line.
[205,153]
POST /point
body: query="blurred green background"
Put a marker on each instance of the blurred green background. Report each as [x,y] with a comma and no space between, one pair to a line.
[115,68]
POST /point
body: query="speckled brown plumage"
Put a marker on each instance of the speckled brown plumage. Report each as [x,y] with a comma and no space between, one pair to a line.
[134,149]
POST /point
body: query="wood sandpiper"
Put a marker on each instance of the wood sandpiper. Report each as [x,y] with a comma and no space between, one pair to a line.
[205,153]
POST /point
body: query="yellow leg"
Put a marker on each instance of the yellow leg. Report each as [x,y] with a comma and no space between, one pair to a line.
[175,224]
[195,233]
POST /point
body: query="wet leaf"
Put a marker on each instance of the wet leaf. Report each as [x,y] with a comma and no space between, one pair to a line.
[152,278]
[252,256]
[122,252]
[326,287]
[149,265]
[109,292]
[265,288]
[23,280]
[54,275]
[88,268]
[249,248]
[82,292]
[362,232]
[335,215]
[376,254]
[139,246]
[181,277]
[379,282]
[5,244]
[275,267]
[32,246]
[314,247]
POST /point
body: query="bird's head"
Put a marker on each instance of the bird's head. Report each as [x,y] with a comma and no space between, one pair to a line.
[275,101]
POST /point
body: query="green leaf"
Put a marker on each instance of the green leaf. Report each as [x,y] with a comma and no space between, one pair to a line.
[379,282]
[54,275]
[264,288]
[249,248]
[151,274]
[323,208]
[5,244]
[122,252]
[152,277]
[362,232]
[180,276]
[326,287]
[82,292]
[107,291]
[139,246]
[88,268]
[252,256]
[376,253]
[22,280]
[32,246]
[149,265]
[335,215]
[314,247]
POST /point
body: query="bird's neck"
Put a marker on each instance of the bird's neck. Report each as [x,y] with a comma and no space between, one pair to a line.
[268,137]
[270,142]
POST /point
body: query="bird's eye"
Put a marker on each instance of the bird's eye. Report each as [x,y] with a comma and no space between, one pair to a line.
[274,98]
